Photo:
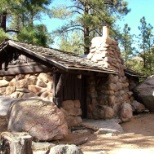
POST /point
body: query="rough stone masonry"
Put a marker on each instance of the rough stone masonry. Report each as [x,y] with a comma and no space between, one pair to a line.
[108,96]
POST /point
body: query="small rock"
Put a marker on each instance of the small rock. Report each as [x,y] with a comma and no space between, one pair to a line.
[24,90]
[13,82]
[45,94]
[31,80]
[41,146]
[21,83]
[65,149]
[68,104]
[4,83]
[106,112]
[17,94]
[138,107]
[45,77]
[2,90]
[10,90]
[41,83]
[126,112]
[20,76]
[8,78]
[36,89]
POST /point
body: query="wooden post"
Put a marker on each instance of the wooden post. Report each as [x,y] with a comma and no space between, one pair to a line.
[59,82]
[15,143]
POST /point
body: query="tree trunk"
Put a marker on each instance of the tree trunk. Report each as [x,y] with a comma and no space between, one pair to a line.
[86,41]
[86,31]
[3,21]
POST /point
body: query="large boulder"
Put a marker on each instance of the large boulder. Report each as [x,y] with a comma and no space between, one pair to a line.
[145,93]
[41,119]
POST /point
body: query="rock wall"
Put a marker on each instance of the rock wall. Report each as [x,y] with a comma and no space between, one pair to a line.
[72,112]
[29,85]
[39,85]
[107,94]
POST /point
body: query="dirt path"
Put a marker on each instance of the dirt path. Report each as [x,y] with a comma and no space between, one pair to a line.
[138,138]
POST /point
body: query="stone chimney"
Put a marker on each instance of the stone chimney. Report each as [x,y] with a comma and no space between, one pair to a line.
[112,96]
[105,51]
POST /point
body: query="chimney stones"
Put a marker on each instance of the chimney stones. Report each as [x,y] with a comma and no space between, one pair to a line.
[109,93]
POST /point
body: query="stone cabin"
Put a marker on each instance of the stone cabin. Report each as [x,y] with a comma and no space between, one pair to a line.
[100,82]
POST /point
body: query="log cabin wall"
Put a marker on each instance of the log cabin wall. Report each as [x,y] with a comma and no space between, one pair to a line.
[106,95]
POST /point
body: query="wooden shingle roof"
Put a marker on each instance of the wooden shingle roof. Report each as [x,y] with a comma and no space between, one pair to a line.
[64,60]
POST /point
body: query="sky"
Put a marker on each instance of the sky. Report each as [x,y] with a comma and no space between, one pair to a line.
[139,8]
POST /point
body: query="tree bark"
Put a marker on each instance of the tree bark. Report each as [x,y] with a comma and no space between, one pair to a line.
[86,41]
[86,31]
[3,21]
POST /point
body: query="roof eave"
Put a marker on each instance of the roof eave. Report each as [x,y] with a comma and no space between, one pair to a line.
[30,52]
[53,62]
[93,70]
[134,75]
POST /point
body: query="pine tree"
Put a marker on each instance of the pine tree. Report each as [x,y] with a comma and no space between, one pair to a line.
[146,42]
[20,16]
[72,43]
[36,34]
[89,16]
[3,35]
[126,43]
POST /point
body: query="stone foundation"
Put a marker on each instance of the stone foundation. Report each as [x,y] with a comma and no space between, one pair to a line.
[39,85]
[72,112]
[29,85]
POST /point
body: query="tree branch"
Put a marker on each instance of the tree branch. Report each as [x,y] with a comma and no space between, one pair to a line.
[75,28]
[75,7]
[75,11]
[70,28]
[12,30]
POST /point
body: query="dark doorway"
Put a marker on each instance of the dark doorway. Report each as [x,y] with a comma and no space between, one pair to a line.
[75,89]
